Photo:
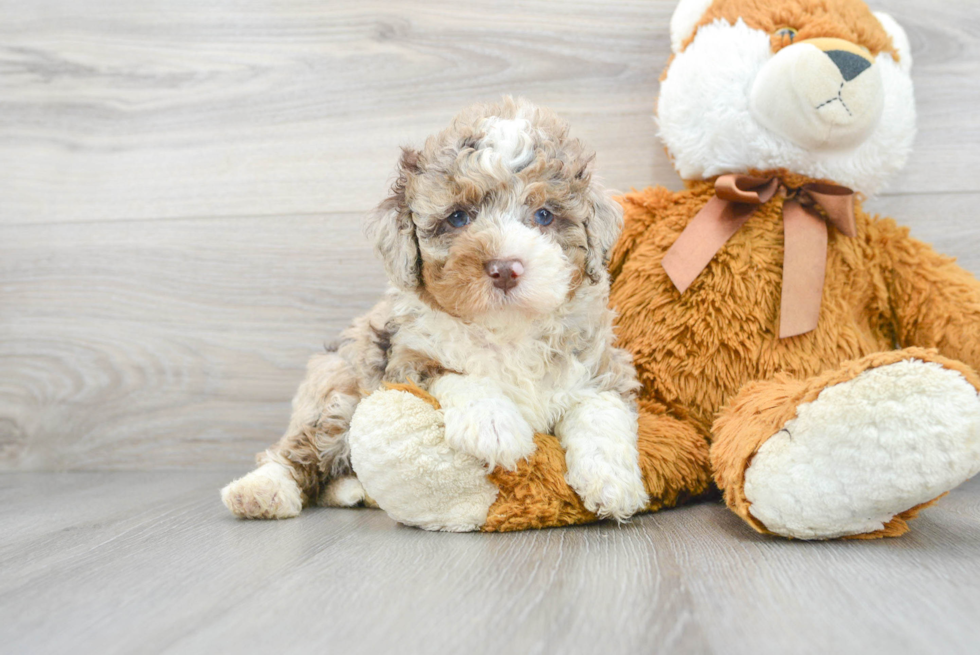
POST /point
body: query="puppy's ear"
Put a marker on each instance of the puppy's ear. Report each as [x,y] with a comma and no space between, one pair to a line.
[393,231]
[602,228]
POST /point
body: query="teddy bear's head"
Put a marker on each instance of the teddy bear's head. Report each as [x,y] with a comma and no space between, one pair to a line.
[819,88]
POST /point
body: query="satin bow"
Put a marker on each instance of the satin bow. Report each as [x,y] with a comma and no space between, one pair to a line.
[805,234]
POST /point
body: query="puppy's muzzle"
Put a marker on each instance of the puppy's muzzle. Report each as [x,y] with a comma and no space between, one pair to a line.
[505,273]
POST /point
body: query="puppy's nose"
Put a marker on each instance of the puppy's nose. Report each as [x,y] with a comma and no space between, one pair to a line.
[505,273]
[849,64]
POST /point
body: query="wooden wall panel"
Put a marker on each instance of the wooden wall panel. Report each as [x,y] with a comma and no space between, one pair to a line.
[182,187]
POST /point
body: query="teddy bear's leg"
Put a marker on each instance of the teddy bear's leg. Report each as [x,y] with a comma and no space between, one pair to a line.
[399,451]
[673,463]
[856,451]
[673,457]
[404,464]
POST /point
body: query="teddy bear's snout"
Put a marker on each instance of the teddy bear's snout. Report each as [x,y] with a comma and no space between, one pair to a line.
[821,94]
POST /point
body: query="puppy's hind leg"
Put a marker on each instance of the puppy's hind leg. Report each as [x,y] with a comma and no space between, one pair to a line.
[314,450]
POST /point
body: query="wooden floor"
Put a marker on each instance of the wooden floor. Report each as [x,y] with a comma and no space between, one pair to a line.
[150,562]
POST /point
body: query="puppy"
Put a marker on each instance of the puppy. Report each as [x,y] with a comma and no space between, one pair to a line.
[494,239]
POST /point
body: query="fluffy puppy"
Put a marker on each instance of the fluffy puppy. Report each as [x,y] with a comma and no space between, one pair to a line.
[494,239]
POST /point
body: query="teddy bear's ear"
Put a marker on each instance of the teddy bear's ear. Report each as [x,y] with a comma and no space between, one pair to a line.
[899,39]
[686,17]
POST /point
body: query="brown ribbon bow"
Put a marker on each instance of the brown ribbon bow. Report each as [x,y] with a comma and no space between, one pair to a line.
[805,233]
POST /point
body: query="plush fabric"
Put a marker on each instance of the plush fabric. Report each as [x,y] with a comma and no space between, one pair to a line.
[841,19]
[673,459]
[712,354]
[764,409]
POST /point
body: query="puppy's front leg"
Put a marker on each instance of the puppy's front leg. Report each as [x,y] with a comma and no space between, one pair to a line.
[482,421]
[599,436]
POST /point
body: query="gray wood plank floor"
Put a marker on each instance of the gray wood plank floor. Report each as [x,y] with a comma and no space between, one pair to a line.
[150,562]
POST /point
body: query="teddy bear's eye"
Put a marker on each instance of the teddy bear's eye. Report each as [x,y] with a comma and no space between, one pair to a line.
[458,218]
[786,33]
[543,217]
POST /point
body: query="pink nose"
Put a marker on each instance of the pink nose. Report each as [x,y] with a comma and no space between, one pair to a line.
[505,273]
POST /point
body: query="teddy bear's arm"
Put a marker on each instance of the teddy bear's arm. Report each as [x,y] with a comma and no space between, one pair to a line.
[935,302]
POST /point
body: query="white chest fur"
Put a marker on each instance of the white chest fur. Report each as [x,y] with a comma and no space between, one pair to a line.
[540,363]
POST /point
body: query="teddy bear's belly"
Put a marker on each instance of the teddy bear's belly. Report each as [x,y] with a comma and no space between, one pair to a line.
[694,351]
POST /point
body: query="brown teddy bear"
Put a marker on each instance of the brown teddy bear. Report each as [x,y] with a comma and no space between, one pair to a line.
[815,363]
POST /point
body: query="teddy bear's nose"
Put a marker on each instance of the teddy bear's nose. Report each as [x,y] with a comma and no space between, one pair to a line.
[849,64]
[504,272]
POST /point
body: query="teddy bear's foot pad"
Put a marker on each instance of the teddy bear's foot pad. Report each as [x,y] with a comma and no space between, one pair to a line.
[399,451]
[866,450]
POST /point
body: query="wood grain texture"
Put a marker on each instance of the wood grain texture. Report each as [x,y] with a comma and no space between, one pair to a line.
[127,110]
[122,110]
[184,183]
[151,344]
[161,344]
[152,563]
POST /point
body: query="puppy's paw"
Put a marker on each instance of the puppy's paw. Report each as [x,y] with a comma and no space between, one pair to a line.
[490,429]
[268,492]
[610,489]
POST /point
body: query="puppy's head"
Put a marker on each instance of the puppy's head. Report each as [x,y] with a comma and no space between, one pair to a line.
[497,214]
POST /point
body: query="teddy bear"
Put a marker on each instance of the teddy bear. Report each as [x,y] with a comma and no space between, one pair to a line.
[813,363]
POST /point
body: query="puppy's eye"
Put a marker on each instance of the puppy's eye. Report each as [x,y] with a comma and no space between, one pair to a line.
[543,217]
[458,218]
[786,33]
